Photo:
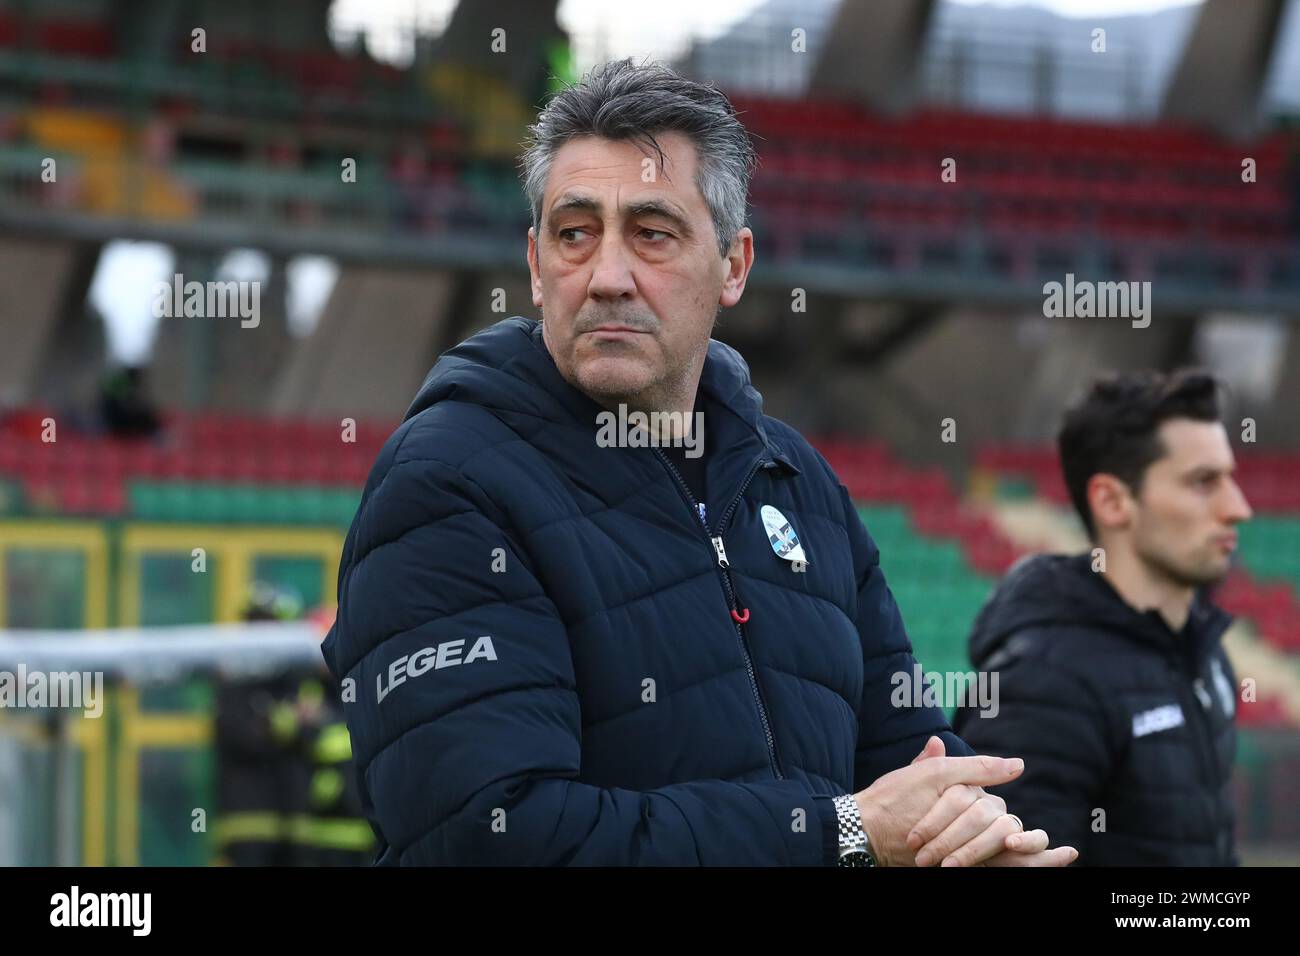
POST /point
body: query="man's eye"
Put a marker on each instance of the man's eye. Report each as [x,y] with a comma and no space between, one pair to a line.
[566,235]
[654,232]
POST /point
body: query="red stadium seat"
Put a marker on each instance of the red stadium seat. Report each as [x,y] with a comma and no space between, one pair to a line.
[75,38]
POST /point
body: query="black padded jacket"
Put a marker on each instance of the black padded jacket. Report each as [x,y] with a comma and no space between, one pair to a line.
[1126,728]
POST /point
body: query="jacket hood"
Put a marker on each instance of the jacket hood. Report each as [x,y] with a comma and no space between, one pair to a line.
[1053,589]
[506,368]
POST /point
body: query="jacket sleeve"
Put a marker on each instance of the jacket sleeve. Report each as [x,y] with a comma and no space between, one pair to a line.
[889,736]
[1046,715]
[476,761]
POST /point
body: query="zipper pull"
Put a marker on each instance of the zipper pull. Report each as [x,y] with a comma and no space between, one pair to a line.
[722,552]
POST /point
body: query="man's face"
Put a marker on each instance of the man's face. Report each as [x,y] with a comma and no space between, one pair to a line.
[627,272]
[1184,522]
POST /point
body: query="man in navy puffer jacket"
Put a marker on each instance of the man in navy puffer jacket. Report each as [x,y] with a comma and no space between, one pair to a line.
[570,638]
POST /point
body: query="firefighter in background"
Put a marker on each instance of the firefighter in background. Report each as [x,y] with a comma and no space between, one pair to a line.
[335,831]
[266,729]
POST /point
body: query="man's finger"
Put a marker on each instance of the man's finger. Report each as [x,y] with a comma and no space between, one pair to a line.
[981,771]
[977,834]
[1057,856]
[933,748]
[1031,841]
[951,804]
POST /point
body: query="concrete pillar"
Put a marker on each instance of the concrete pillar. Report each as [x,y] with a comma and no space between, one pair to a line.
[377,338]
[1218,81]
[34,275]
[871,53]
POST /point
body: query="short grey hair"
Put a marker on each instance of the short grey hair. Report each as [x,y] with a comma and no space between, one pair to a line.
[621,100]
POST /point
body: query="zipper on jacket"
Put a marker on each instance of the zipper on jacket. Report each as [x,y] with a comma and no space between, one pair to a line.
[1190,673]
[738,615]
[1186,674]
[1192,670]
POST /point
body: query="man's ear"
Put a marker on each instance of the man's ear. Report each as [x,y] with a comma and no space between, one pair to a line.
[1111,501]
[534,267]
[738,262]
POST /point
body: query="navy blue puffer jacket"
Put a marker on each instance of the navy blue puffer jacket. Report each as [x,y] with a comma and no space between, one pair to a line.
[540,640]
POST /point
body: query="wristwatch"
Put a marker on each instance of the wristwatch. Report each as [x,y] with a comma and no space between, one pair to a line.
[855,849]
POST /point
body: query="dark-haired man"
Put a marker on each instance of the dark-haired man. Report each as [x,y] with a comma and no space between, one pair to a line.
[1113,682]
[574,650]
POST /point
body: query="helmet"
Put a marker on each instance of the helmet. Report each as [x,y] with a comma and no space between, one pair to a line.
[267,602]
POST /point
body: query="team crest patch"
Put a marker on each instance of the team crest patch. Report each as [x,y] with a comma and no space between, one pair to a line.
[783,537]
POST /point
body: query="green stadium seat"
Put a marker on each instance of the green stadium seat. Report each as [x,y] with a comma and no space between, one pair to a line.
[937,591]
[1270,548]
[11,498]
[214,503]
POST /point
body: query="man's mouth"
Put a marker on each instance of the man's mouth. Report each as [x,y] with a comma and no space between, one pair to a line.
[615,333]
[1226,541]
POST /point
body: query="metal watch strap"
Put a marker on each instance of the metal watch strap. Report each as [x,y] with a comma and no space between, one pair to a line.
[854,848]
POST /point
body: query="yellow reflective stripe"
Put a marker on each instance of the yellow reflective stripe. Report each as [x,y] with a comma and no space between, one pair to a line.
[253,825]
[332,834]
[333,745]
[326,785]
[284,722]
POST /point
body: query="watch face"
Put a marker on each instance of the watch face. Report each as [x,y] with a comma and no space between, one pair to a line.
[856,858]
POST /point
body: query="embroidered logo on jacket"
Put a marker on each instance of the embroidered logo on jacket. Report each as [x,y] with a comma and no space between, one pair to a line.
[783,538]
[446,654]
[1223,687]
[1158,719]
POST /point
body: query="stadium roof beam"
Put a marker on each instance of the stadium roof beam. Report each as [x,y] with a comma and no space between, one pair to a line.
[871,53]
[1218,81]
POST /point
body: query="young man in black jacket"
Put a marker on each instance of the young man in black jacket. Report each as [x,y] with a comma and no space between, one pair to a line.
[1113,683]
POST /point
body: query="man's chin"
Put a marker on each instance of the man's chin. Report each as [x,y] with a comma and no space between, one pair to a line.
[1207,574]
[1202,570]
[613,379]
[1217,572]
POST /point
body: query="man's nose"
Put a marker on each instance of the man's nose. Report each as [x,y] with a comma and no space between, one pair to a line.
[1238,508]
[611,272]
